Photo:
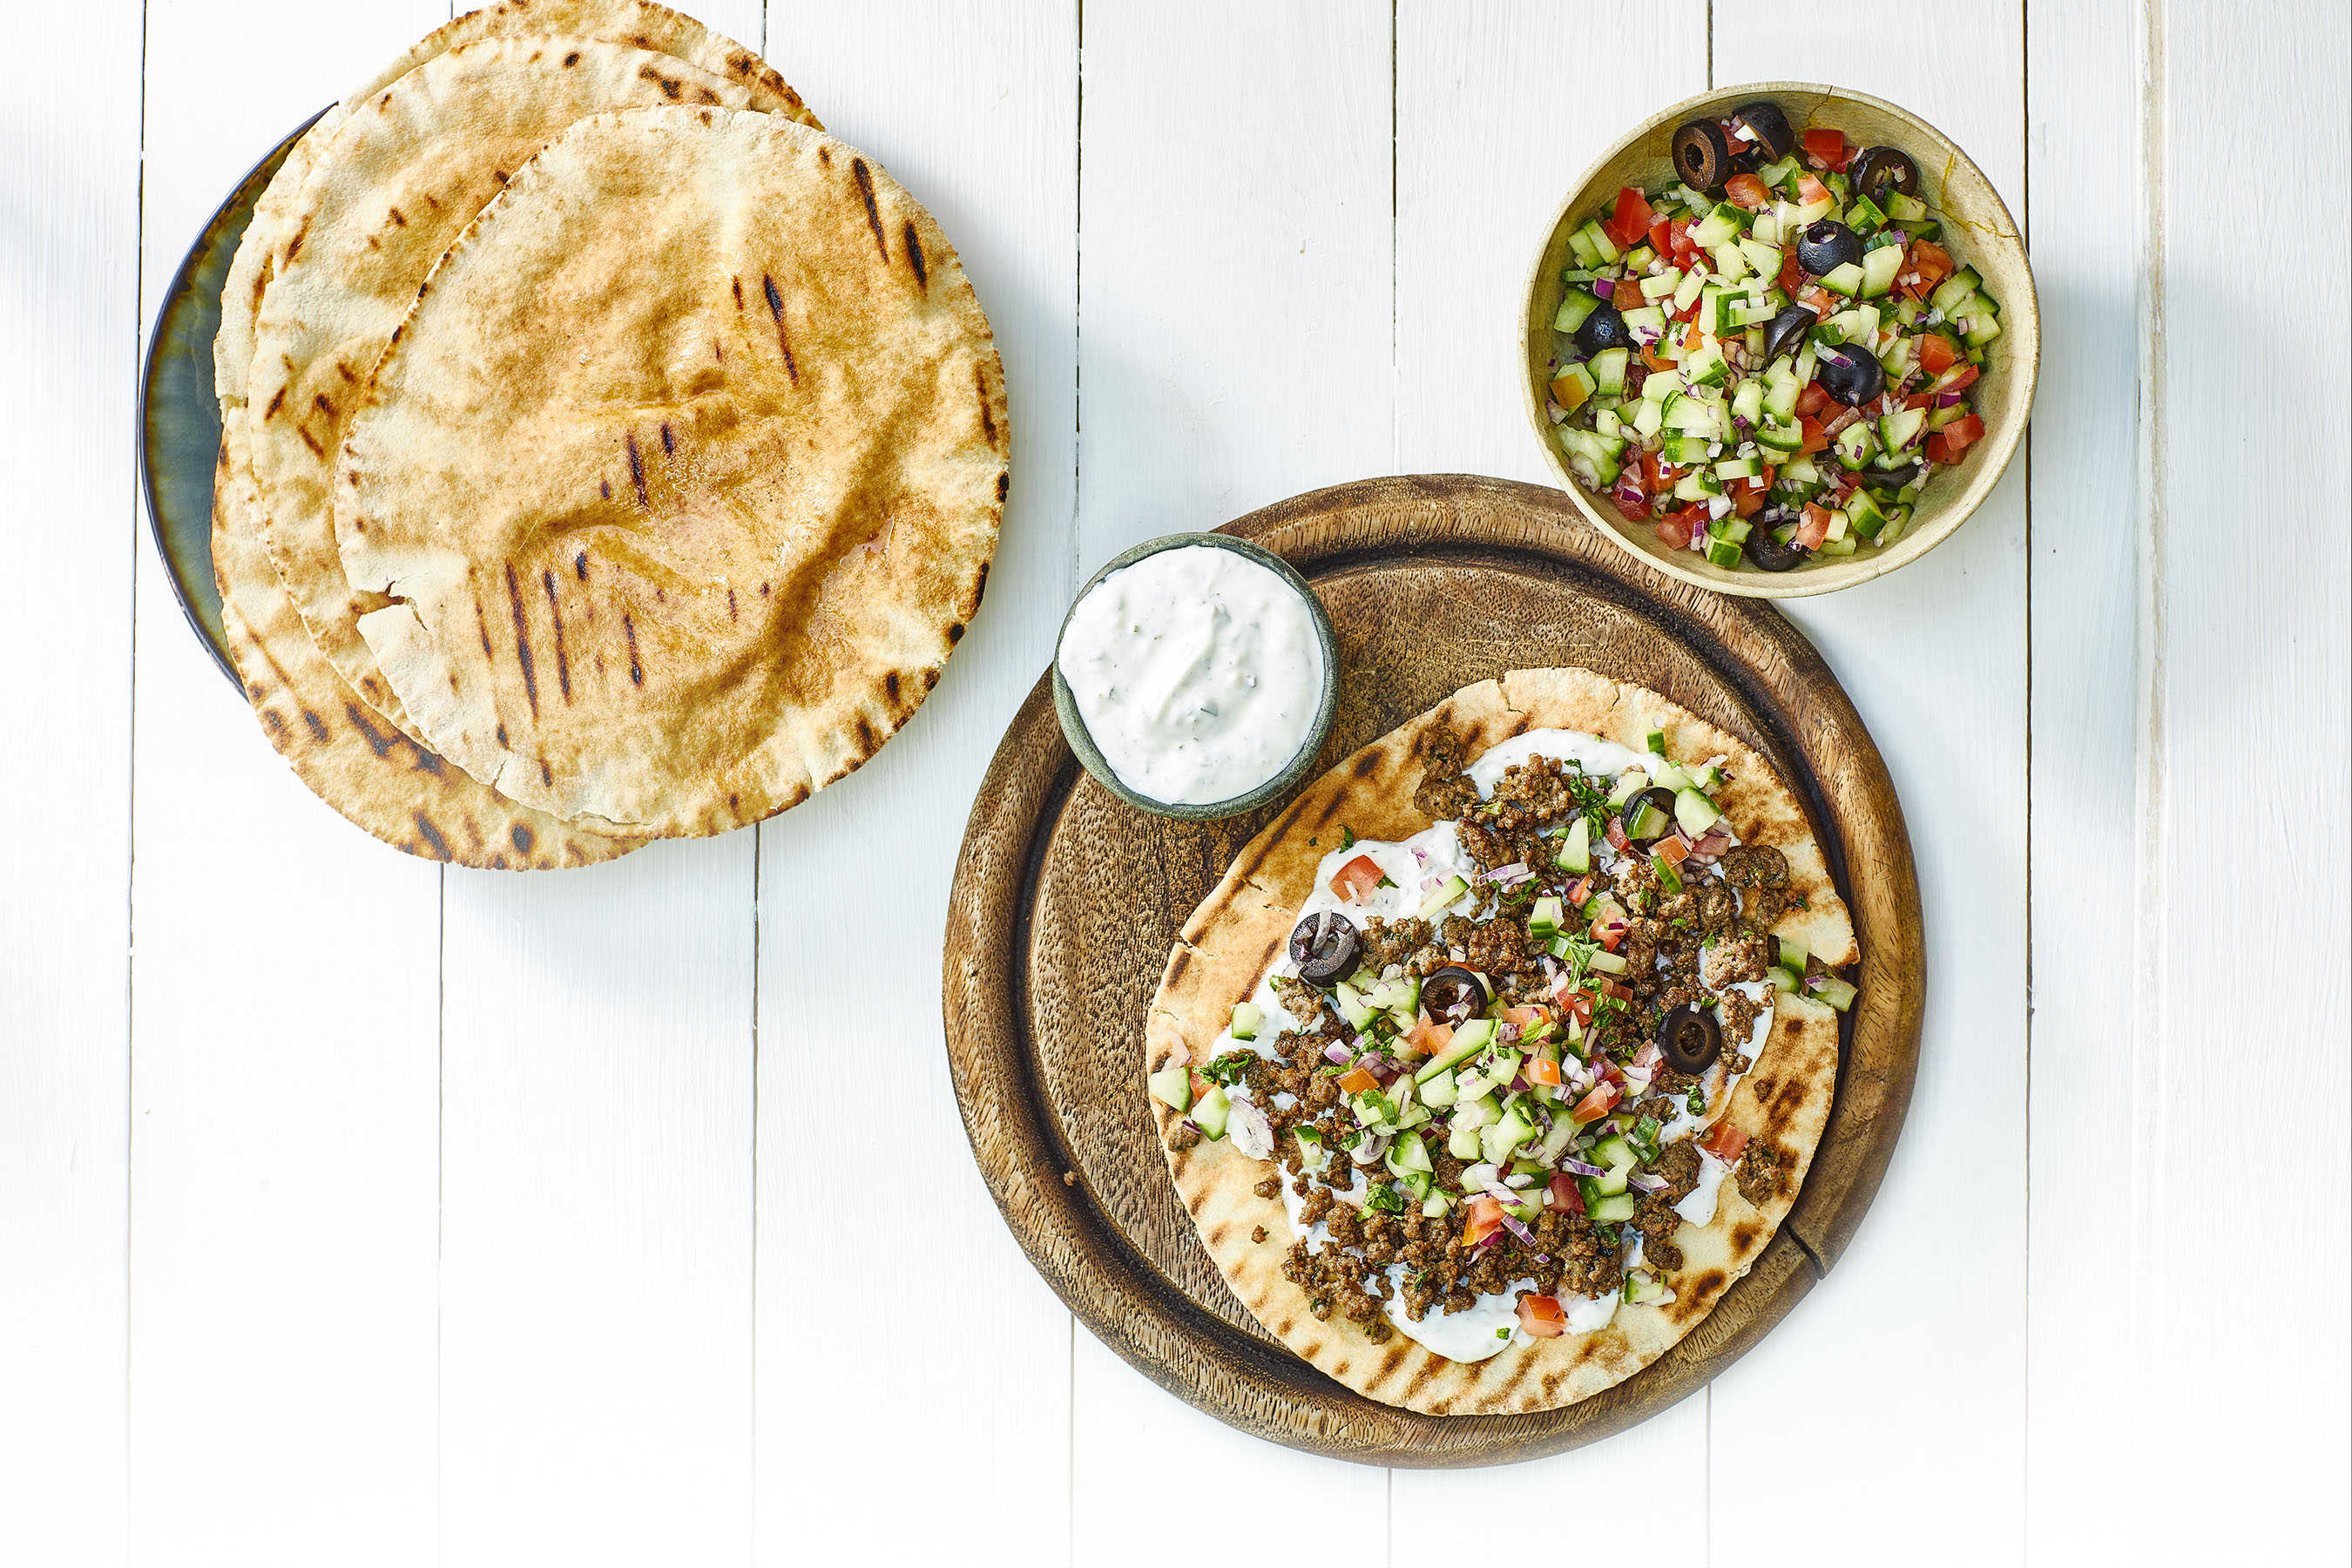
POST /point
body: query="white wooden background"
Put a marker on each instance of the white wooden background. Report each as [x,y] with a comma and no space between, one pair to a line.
[354,1211]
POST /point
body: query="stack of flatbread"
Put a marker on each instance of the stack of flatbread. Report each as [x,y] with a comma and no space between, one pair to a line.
[607,453]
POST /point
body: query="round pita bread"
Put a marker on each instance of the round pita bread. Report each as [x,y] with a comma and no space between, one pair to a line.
[409,169]
[1236,935]
[341,748]
[682,476]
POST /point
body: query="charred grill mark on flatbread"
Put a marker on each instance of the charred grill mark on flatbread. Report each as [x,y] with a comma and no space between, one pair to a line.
[668,446]
[783,342]
[670,86]
[915,256]
[978,588]
[310,441]
[579,565]
[432,837]
[377,740]
[319,401]
[522,642]
[482,624]
[425,761]
[738,282]
[730,607]
[1744,1235]
[399,217]
[1177,964]
[555,615]
[866,735]
[317,726]
[276,404]
[606,487]
[864,178]
[955,629]
[636,671]
[890,677]
[572,58]
[637,472]
[987,415]
[1364,767]
[1003,483]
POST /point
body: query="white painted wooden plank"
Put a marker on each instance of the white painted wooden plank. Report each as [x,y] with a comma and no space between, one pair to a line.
[957,1374]
[2242,1172]
[1489,139]
[69,331]
[1906,1365]
[1235,307]
[597,1159]
[2089,219]
[285,1007]
[1235,320]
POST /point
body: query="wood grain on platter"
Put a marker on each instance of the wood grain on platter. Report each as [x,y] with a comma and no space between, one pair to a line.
[1065,902]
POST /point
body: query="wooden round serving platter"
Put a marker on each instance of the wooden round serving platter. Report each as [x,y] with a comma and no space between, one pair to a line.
[1065,902]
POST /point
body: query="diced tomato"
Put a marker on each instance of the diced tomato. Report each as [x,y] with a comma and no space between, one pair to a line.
[1673,850]
[1523,1013]
[1816,439]
[1200,1086]
[1792,273]
[1828,144]
[1689,314]
[1817,300]
[1580,889]
[1632,217]
[1610,1071]
[1746,503]
[1542,1070]
[1724,1141]
[1632,509]
[1595,1105]
[1649,470]
[1615,833]
[1963,432]
[1662,236]
[1359,1080]
[1541,1316]
[1577,1003]
[1569,392]
[1356,881]
[1566,1194]
[1428,1038]
[1486,1217]
[1746,190]
[1940,450]
[1617,988]
[1815,530]
[1811,400]
[1810,190]
[1966,375]
[1938,353]
[1685,248]
[1918,400]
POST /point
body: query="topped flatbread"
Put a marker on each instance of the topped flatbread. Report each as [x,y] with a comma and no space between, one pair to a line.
[1500,1055]
[681,480]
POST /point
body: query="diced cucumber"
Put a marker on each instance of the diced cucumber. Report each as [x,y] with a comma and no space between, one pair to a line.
[1836,992]
[1714,311]
[1574,306]
[1695,812]
[1723,553]
[1778,441]
[1738,468]
[1693,283]
[1602,245]
[1638,259]
[1543,920]
[1507,1133]
[1209,1112]
[1408,1154]
[1247,1016]
[1748,402]
[1952,293]
[1445,894]
[1586,254]
[1685,451]
[1900,428]
[1794,950]
[1645,319]
[1904,209]
[1352,1005]
[1658,285]
[1609,370]
[1730,262]
[1753,315]
[1660,383]
[1806,362]
[1854,444]
[1763,258]
[1878,270]
[1707,367]
[1782,980]
[1734,528]
[1606,962]
[1843,546]
[1862,513]
[1697,486]
[1648,418]
[1172,1087]
[1780,392]
[1614,1210]
[1470,1038]
[1576,847]
[1844,280]
[1977,323]
[1438,1091]
[1864,215]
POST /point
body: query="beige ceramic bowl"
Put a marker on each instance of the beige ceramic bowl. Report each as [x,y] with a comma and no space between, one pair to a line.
[1979,233]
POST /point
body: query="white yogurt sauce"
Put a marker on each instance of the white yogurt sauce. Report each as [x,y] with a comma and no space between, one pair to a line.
[1198,672]
[1417,866]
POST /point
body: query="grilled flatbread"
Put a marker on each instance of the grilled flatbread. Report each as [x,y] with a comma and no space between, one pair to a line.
[1240,935]
[682,477]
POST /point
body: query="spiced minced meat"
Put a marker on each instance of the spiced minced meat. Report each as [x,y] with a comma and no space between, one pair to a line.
[1581,969]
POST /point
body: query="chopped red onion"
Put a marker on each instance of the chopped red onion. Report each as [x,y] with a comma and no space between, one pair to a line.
[1576,1167]
[1177,1058]
[1527,1236]
[1507,1033]
[1950,399]
[1643,1182]
[1338,1054]
[1648,1057]
[1604,286]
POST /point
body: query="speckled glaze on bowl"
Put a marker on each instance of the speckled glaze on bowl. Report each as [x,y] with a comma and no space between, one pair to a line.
[179,417]
[1956,192]
[1073,726]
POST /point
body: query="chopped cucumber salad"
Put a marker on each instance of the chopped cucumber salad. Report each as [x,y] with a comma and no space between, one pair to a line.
[1768,360]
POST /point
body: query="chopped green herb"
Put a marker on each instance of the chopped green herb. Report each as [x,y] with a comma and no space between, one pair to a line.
[1347,837]
[1386,883]
[1696,1101]
[1228,1068]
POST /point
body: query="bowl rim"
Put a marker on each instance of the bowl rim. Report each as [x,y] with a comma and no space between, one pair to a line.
[1994,453]
[1326,710]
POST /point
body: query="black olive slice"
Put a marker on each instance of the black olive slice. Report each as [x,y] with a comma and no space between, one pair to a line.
[1786,335]
[1660,797]
[1877,170]
[1604,329]
[1768,554]
[1850,375]
[1703,155]
[1764,120]
[1893,479]
[1453,994]
[1826,246]
[1690,1039]
[1326,948]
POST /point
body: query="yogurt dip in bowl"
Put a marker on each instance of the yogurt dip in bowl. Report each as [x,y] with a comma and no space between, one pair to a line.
[1196,677]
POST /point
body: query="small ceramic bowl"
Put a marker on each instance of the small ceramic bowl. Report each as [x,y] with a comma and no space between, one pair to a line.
[1073,726]
[1985,236]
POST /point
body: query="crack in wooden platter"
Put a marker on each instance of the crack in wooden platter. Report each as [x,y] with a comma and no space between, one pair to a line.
[1065,902]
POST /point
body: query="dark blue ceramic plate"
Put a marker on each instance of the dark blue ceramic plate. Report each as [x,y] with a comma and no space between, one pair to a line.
[179,419]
